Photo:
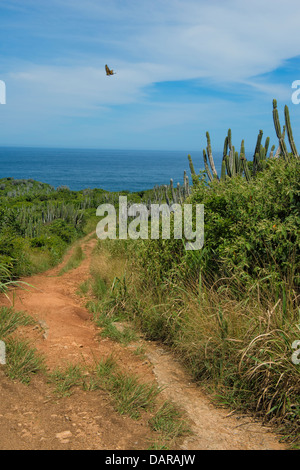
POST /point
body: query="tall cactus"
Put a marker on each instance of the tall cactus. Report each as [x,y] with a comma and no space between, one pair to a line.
[289,131]
[228,169]
[210,156]
[210,176]
[256,151]
[235,164]
[223,171]
[272,151]
[166,194]
[195,179]
[173,191]
[191,166]
[179,199]
[225,147]
[267,143]
[229,139]
[280,135]
[245,167]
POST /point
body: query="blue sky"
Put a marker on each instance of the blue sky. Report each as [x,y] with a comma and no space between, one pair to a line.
[183,67]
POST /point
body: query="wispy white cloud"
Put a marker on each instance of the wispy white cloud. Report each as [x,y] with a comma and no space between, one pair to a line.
[58,69]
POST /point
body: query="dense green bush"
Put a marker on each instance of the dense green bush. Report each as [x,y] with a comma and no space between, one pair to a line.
[62,229]
[252,229]
[251,232]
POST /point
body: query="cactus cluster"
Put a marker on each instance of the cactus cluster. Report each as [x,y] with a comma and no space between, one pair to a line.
[282,149]
[170,194]
[235,163]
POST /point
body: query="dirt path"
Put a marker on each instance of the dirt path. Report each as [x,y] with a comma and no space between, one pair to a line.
[32,418]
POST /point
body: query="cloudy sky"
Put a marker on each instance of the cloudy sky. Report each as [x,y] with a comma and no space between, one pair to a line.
[183,67]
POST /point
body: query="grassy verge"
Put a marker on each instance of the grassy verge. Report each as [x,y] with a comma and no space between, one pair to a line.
[240,350]
[74,261]
[231,310]
[10,320]
[22,360]
[129,396]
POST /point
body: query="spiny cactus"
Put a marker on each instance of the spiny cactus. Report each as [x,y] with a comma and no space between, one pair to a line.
[256,152]
[206,166]
[179,199]
[289,131]
[245,167]
[280,135]
[191,165]
[223,171]
[234,164]
[195,179]
[210,156]
[272,151]
[173,191]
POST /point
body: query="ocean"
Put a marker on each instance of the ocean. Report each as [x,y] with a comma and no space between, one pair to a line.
[112,170]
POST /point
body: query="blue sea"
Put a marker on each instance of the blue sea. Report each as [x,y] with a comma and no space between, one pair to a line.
[112,170]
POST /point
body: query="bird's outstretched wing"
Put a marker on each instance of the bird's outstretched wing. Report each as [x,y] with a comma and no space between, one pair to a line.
[108,71]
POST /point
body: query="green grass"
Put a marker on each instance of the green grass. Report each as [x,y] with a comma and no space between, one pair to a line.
[22,361]
[10,320]
[108,311]
[108,323]
[104,371]
[131,396]
[84,288]
[169,422]
[74,261]
[65,380]
[99,286]
[124,336]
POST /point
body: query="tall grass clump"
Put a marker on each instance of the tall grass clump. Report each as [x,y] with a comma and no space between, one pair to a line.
[22,360]
[10,320]
[74,261]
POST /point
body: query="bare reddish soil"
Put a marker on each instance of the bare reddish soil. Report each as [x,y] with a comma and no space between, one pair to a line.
[33,418]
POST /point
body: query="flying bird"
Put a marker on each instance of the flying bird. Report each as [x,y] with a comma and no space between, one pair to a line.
[108,71]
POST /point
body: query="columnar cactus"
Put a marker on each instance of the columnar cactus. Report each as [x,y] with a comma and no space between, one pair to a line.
[210,156]
[272,151]
[280,135]
[267,143]
[191,166]
[210,177]
[289,131]
[172,191]
[223,171]
[256,152]
[235,164]
[245,167]
[166,195]
[179,199]
[195,179]
[225,147]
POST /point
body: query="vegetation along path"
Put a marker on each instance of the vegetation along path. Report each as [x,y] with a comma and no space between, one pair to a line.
[33,416]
